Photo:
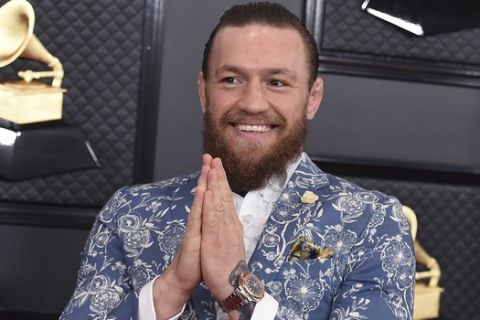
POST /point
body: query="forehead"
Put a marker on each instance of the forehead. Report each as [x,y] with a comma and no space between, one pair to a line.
[255,46]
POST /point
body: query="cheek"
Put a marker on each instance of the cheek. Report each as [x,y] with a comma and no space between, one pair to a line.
[292,110]
[219,103]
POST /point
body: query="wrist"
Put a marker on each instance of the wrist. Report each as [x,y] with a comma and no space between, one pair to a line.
[174,287]
[168,297]
[248,291]
[222,293]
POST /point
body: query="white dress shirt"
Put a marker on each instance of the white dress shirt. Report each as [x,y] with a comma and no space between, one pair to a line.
[253,212]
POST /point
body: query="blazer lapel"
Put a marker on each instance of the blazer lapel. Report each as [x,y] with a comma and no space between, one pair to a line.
[288,219]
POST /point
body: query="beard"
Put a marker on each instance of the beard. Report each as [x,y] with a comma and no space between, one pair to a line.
[248,165]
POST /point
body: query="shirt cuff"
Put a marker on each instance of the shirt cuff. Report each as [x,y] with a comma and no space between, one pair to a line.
[146,307]
[265,309]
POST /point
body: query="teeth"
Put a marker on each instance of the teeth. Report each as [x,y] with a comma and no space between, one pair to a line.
[253,128]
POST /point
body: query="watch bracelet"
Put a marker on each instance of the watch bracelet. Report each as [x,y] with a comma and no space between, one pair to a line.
[232,302]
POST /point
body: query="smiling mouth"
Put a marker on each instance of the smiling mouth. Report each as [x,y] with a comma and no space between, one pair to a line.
[253,127]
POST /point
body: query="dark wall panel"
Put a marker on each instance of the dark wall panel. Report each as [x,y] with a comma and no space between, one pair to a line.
[397,123]
[405,124]
[99,44]
[39,267]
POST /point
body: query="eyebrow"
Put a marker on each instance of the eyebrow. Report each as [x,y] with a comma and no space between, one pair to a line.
[266,70]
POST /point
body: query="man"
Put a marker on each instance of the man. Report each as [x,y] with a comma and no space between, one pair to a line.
[260,216]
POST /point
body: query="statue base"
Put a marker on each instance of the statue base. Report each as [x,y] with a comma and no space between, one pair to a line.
[39,149]
[427,302]
[23,103]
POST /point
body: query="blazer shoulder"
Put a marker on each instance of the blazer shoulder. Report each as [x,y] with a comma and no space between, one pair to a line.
[145,199]
[309,173]
[359,209]
[342,185]
[170,186]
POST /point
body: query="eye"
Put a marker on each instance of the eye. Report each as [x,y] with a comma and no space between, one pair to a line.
[231,80]
[277,83]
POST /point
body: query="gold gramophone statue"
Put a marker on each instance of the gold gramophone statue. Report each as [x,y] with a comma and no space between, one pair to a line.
[34,140]
[27,101]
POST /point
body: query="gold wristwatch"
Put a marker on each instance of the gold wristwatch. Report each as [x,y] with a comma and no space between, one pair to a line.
[250,289]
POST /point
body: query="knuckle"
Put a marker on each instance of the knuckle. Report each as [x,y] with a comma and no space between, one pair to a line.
[212,221]
[219,206]
[226,198]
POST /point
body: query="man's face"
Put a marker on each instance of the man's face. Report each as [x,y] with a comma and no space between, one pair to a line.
[257,101]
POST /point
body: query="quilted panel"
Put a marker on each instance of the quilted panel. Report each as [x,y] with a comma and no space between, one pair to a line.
[348,30]
[99,44]
[448,214]
[449,229]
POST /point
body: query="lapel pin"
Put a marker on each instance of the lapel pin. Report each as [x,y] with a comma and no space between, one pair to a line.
[309,197]
[305,249]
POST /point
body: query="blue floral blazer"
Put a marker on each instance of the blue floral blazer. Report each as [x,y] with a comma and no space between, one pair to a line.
[369,276]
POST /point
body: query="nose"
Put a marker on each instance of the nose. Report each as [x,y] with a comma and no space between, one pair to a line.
[253,99]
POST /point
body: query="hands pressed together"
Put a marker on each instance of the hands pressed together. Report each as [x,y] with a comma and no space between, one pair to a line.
[211,247]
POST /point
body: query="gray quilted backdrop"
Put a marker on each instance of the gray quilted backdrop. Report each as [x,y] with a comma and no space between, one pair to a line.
[448,211]
[349,30]
[99,44]
[449,229]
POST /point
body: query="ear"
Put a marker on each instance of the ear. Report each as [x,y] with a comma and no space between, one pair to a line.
[314,98]
[201,90]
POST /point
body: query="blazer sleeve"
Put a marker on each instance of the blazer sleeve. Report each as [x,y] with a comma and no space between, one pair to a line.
[103,289]
[380,274]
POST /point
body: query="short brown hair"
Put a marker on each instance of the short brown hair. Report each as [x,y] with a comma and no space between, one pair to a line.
[264,13]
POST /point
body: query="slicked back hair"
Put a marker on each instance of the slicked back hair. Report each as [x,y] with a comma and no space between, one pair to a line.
[267,14]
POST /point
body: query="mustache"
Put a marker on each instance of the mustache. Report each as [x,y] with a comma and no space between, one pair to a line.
[264,118]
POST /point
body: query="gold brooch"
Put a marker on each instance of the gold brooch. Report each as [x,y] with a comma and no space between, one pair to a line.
[309,197]
[305,249]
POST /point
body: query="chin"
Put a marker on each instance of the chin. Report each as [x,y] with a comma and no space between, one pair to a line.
[252,153]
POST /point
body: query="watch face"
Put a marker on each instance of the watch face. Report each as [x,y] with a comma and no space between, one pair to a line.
[253,286]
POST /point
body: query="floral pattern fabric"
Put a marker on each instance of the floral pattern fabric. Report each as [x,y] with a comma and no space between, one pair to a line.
[370,274]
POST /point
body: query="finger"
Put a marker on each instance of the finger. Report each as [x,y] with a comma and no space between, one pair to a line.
[217,196]
[194,223]
[224,187]
[214,207]
[207,159]
[224,181]
[195,217]
[202,180]
[212,215]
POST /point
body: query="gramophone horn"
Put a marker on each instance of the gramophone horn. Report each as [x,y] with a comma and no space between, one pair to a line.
[17,19]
